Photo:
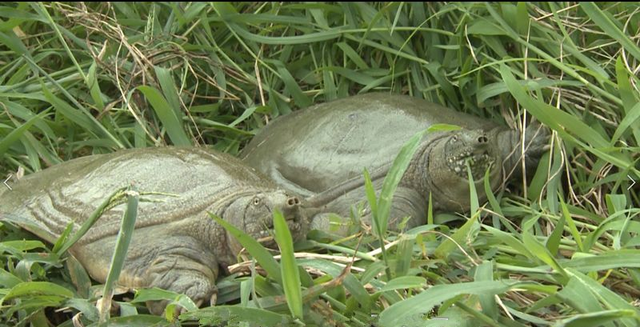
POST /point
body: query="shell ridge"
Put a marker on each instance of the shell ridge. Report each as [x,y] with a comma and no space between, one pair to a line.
[194,210]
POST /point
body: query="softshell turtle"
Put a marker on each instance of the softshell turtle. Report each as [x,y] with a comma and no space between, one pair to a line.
[175,245]
[320,152]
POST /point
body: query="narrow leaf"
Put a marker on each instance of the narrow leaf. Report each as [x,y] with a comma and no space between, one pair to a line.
[123,240]
[264,258]
[289,268]
[416,306]
[167,115]
[607,26]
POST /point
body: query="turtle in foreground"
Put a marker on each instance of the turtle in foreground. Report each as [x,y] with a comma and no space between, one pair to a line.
[176,245]
[320,153]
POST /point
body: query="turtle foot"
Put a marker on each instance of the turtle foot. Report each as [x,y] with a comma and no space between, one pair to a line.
[185,268]
[200,292]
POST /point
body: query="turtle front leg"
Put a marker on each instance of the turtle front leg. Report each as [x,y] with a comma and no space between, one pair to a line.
[536,142]
[536,139]
[184,266]
[178,263]
[407,202]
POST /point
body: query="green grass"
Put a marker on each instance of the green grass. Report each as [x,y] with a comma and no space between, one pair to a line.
[560,250]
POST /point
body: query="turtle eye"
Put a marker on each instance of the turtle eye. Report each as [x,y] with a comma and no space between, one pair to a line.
[256,201]
[454,138]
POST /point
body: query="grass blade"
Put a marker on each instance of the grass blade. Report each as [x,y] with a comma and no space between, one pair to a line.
[115,197]
[120,252]
[37,289]
[560,120]
[264,258]
[599,318]
[71,113]
[571,224]
[422,303]
[289,268]
[351,282]
[403,282]
[292,87]
[404,254]
[17,133]
[42,11]
[484,272]
[628,258]
[167,115]
[232,315]
[290,40]
[553,242]
[539,250]
[391,181]
[169,90]
[607,26]
[94,87]
[459,238]
[579,297]
[607,297]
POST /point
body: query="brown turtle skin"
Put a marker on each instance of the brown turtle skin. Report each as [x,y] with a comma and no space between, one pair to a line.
[175,245]
[321,152]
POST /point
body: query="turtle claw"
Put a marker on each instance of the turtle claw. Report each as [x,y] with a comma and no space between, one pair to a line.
[182,309]
[200,291]
[158,307]
[213,299]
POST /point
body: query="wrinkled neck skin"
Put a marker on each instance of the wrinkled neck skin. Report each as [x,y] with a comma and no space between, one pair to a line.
[214,236]
[416,176]
[253,214]
[231,209]
[511,152]
[412,178]
[438,168]
[231,244]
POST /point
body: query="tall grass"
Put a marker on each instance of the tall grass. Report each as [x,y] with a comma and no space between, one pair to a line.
[562,249]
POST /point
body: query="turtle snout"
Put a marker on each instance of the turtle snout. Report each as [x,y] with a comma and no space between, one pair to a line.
[294,211]
[291,208]
[293,201]
[475,138]
[478,141]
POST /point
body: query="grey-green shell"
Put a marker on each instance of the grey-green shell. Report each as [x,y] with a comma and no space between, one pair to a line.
[321,152]
[176,244]
[314,149]
[73,190]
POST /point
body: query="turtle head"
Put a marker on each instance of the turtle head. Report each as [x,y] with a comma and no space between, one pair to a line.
[254,215]
[447,167]
[469,146]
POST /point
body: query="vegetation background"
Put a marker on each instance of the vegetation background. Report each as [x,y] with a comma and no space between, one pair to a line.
[85,78]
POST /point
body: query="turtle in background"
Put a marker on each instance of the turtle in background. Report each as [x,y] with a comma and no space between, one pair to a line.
[320,153]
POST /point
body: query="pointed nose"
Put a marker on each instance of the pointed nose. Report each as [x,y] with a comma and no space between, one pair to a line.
[291,208]
[476,138]
[293,201]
